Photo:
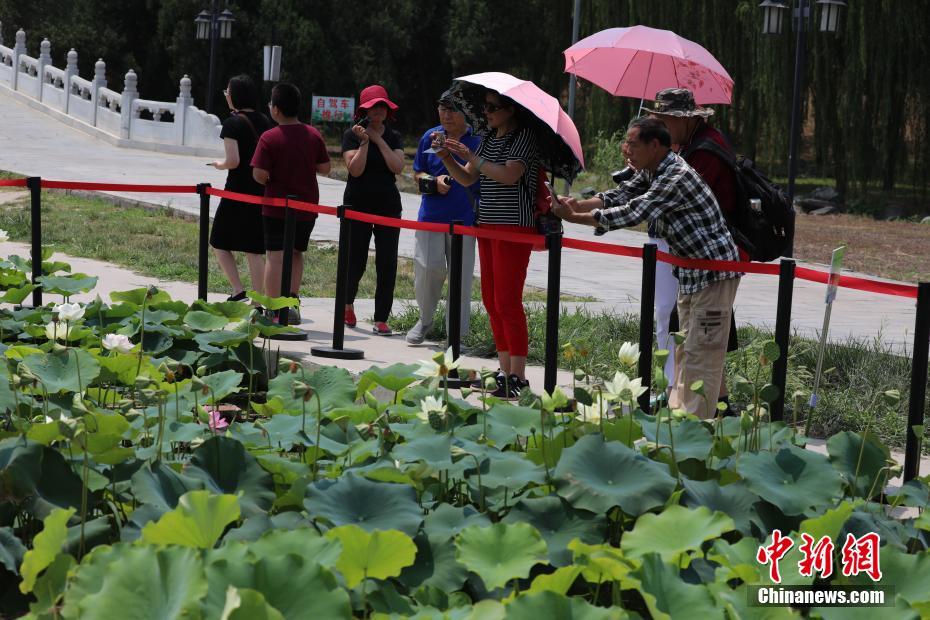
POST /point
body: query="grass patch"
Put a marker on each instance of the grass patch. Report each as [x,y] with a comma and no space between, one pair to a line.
[855,370]
[164,245]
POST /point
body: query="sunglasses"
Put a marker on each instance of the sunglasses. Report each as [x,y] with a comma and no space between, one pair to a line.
[490,107]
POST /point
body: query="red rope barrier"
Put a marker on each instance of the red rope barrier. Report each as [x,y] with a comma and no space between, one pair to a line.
[120,187]
[538,241]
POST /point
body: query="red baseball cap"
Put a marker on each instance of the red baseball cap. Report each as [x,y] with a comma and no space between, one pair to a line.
[373,95]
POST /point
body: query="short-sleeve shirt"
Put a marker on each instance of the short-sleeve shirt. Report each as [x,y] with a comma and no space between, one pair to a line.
[239,179]
[509,204]
[458,204]
[290,154]
[377,178]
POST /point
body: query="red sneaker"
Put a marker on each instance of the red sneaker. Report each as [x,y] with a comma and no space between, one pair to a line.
[381,328]
[350,316]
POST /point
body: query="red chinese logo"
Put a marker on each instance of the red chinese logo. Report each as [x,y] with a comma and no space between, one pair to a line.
[817,557]
[773,553]
[860,555]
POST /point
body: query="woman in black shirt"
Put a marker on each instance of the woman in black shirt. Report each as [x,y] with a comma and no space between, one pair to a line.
[237,226]
[373,154]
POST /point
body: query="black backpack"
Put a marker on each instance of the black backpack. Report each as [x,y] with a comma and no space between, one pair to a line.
[763,232]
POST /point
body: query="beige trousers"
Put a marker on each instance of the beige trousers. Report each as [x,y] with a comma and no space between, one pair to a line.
[705,317]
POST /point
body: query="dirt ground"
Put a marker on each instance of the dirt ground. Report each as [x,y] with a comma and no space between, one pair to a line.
[899,250]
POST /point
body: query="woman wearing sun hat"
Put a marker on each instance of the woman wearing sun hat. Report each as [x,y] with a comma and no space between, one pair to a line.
[374,154]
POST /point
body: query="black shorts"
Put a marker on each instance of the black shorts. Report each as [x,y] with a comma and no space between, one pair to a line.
[274,233]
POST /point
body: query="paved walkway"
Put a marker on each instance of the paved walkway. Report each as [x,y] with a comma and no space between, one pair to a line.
[35,144]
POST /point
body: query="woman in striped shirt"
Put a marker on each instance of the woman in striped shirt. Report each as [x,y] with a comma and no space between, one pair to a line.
[507,165]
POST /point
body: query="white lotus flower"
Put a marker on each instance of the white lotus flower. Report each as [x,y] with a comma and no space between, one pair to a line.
[623,388]
[600,408]
[629,354]
[4,235]
[117,342]
[69,312]
[431,404]
[58,331]
[439,366]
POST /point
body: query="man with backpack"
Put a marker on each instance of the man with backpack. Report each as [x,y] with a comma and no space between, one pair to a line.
[687,124]
[680,206]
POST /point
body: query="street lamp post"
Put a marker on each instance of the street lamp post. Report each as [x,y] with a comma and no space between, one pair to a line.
[772,20]
[213,25]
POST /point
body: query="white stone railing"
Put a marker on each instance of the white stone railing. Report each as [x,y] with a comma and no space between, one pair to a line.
[120,117]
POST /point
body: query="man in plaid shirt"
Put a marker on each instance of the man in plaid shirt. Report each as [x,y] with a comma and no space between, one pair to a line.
[681,208]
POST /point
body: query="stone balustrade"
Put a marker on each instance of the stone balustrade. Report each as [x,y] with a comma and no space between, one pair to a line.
[122,118]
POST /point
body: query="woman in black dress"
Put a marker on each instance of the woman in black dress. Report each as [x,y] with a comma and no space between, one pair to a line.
[237,226]
[374,154]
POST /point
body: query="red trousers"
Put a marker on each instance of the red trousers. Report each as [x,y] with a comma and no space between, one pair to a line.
[503,273]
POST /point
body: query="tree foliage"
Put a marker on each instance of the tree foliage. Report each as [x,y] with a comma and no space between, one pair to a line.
[866,90]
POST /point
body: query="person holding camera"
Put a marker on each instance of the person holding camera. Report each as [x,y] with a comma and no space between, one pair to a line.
[507,165]
[374,154]
[444,200]
[237,226]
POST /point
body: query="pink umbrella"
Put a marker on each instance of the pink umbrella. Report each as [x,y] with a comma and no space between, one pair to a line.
[640,61]
[558,140]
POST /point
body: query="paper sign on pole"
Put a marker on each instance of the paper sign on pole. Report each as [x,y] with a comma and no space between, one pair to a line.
[332,109]
[836,265]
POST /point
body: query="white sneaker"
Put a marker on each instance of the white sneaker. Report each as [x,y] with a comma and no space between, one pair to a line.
[417,333]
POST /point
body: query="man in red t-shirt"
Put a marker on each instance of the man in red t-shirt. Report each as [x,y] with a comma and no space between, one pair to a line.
[286,161]
[687,124]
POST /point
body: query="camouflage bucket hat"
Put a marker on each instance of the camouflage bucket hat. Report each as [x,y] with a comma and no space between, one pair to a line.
[677,102]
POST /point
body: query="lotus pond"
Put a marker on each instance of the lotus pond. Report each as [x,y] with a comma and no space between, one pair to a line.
[158,461]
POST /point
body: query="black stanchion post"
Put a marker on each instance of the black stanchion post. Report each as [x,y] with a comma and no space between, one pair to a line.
[35,191]
[647,307]
[782,335]
[553,309]
[338,351]
[454,304]
[287,262]
[918,397]
[203,249]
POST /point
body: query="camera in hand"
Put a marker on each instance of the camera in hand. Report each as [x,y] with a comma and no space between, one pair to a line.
[619,176]
[429,184]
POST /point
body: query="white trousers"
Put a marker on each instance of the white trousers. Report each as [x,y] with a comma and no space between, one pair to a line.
[431,258]
[666,298]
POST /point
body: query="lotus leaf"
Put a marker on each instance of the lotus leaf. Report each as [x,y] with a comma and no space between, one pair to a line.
[501,552]
[506,422]
[248,604]
[296,586]
[393,378]
[67,285]
[668,596]
[860,465]
[45,546]
[533,606]
[595,475]
[147,584]
[12,550]
[333,385]
[734,500]
[558,524]
[137,297]
[434,450]
[64,370]
[692,438]
[600,563]
[205,321]
[222,384]
[370,505]
[198,521]
[436,565]
[793,479]
[224,466]
[674,532]
[376,555]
